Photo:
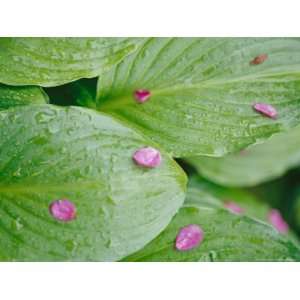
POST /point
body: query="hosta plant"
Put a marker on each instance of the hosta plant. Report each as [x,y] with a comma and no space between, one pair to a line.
[149,149]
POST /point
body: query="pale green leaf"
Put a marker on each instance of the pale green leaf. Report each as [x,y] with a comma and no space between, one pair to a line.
[203,90]
[227,237]
[15,96]
[50,153]
[254,165]
[55,61]
[252,206]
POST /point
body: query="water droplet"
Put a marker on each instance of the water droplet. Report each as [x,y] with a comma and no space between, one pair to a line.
[71,245]
[45,117]
[17,224]
[147,157]
[17,173]
[189,237]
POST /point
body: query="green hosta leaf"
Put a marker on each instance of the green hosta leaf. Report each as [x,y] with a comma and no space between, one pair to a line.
[55,61]
[227,237]
[203,90]
[254,165]
[15,96]
[50,153]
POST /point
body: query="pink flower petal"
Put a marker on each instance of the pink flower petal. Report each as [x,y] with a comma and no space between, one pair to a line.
[142,96]
[147,157]
[63,210]
[189,237]
[233,207]
[259,59]
[266,109]
[276,219]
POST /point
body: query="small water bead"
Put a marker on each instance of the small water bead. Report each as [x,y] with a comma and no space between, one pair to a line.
[189,237]
[142,96]
[266,109]
[63,210]
[233,207]
[259,59]
[276,219]
[147,157]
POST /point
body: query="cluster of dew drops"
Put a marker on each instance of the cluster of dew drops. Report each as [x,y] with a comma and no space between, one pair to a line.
[192,235]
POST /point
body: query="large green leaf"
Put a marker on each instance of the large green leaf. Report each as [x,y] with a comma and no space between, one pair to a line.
[254,165]
[227,237]
[50,153]
[15,96]
[54,61]
[203,90]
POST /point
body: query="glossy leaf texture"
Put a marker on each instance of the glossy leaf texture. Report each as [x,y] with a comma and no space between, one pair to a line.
[254,165]
[55,61]
[227,237]
[203,89]
[50,153]
[11,96]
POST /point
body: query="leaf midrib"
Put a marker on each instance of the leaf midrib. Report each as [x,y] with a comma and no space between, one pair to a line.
[59,187]
[123,100]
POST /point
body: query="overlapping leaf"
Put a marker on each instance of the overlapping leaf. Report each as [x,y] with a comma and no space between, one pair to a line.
[49,153]
[227,237]
[15,96]
[203,90]
[254,165]
[55,61]
[250,204]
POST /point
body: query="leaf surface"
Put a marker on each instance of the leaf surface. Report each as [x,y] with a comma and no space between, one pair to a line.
[203,89]
[254,165]
[11,96]
[227,237]
[55,61]
[50,153]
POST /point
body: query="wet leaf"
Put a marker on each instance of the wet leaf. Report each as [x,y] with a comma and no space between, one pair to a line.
[227,237]
[202,91]
[55,61]
[11,96]
[50,153]
[254,165]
